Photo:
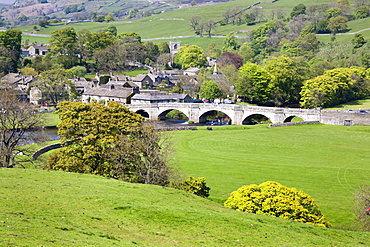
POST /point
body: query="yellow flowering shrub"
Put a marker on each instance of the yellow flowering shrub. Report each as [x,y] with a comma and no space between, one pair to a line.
[273,199]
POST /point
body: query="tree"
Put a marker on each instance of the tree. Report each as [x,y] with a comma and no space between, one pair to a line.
[109,17]
[209,90]
[64,46]
[299,9]
[362,12]
[254,84]
[152,50]
[338,24]
[230,43]
[16,117]
[208,26]
[190,56]
[231,58]
[79,71]
[246,52]
[111,29]
[288,77]
[358,41]
[55,86]
[10,50]
[362,205]
[335,86]
[212,50]
[273,199]
[109,59]
[64,41]
[195,22]
[130,35]
[99,41]
[143,156]
[163,48]
[92,130]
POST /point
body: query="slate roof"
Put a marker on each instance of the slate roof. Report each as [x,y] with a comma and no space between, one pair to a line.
[107,91]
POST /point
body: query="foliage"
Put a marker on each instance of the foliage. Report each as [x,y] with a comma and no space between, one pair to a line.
[190,56]
[55,86]
[230,43]
[338,24]
[255,84]
[230,58]
[209,90]
[273,199]
[196,186]
[79,71]
[362,207]
[362,12]
[10,50]
[299,9]
[16,117]
[288,76]
[358,41]
[142,157]
[334,87]
[91,130]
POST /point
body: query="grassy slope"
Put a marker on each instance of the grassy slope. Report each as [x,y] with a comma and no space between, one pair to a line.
[41,208]
[161,26]
[327,162]
[353,105]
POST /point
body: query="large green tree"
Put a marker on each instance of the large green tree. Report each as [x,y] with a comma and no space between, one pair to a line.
[64,46]
[190,56]
[210,90]
[88,133]
[273,199]
[335,86]
[10,50]
[254,84]
[288,76]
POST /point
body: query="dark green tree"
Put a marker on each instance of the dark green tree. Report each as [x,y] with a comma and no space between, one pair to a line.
[210,90]
[299,9]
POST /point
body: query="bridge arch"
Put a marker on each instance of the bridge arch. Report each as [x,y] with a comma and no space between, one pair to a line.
[224,116]
[255,118]
[162,115]
[143,113]
[290,118]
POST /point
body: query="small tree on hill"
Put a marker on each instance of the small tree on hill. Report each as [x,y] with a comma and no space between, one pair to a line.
[273,199]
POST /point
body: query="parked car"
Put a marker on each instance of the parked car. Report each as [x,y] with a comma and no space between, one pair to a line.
[229,101]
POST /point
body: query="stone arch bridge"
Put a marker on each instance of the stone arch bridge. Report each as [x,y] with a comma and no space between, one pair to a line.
[243,114]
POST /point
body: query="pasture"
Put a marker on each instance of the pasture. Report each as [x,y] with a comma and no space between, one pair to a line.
[326,162]
[51,208]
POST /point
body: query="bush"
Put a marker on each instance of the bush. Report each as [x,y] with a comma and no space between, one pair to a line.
[273,199]
[197,186]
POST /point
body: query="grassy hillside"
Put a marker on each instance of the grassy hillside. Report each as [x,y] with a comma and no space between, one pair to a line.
[42,208]
[176,23]
[327,162]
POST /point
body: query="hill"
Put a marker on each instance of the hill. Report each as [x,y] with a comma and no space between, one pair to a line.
[43,208]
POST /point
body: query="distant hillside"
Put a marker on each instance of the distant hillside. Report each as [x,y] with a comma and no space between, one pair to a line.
[48,208]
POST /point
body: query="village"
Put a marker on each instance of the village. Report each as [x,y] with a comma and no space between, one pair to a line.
[152,87]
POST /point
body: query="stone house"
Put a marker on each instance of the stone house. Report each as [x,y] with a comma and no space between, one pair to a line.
[144,81]
[38,50]
[111,92]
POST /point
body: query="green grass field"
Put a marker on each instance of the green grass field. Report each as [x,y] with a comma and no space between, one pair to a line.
[50,208]
[327,162]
